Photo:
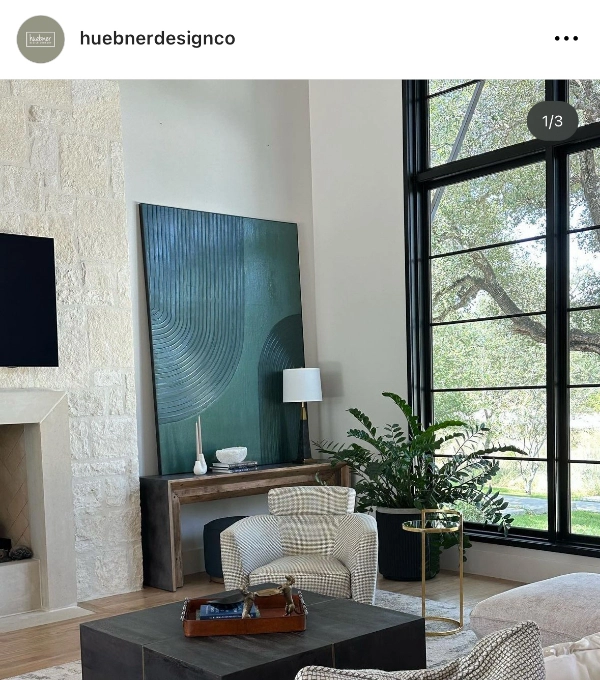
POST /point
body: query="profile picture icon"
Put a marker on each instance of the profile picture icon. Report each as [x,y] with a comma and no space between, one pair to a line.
[40,39]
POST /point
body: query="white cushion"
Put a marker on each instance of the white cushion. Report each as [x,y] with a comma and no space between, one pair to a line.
[564,608]
[574,660]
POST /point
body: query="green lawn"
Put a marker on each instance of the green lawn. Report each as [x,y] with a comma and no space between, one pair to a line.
[505,491]
[583,522]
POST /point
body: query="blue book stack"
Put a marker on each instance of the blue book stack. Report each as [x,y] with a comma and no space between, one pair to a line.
[209,612]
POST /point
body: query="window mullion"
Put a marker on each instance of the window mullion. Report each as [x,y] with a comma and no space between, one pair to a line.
[416,150]
[557,90]
[552,342]
[426,413]
[563,430]
[556,329]
[558,377]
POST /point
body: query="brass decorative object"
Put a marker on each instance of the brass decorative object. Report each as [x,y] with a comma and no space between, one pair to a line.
[284,589]
[426,526]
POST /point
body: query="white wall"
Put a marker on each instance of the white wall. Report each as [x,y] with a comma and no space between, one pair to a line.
[356,150]
[234,147]
[245,148]
[518,564]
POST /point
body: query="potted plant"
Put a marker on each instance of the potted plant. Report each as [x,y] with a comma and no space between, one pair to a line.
[398,475]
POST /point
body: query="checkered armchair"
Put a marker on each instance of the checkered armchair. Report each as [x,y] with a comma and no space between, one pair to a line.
[311,533]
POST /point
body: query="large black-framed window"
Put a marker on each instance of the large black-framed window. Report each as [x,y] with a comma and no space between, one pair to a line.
[503,279]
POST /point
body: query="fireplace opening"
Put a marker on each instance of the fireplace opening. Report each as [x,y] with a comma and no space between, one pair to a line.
[15,539]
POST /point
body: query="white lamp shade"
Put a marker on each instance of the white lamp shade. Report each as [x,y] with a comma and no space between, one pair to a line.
[302,384]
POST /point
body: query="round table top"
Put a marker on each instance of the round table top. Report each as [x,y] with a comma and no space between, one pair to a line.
[432,526]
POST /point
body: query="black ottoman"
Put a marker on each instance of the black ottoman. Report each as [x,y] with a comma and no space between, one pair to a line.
[212,546]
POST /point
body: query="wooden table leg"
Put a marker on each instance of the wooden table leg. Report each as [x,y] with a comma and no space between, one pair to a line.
[344,475]
[176,519]
[157,535]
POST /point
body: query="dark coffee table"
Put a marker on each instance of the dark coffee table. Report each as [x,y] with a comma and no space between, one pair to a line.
[150,645]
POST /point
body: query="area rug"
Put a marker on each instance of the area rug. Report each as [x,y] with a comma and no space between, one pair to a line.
[440,650]
[67,671]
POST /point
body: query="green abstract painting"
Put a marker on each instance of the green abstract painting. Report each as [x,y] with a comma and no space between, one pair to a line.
[225,320]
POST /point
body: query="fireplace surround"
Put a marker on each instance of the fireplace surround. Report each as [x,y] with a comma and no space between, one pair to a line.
[47,582]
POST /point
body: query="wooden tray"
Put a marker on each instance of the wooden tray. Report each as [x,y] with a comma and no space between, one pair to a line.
[272,618]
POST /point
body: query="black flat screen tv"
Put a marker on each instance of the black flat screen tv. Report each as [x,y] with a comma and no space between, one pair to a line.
[28,332]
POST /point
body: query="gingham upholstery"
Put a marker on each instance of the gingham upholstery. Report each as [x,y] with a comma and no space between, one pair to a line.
[333,554]
[312,500]
[319,573]
[510,654]
[308,534]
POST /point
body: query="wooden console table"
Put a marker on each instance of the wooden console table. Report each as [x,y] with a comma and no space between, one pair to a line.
[161,497]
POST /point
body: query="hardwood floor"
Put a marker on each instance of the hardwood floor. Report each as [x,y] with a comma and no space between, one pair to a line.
[444,587]
[31,649]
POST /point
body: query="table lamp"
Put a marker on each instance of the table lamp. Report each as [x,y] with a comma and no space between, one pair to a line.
[302,385]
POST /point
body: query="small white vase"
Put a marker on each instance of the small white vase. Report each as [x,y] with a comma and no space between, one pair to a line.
[200,466]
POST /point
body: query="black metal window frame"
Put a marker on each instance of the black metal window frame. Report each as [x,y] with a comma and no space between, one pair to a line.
[419,181]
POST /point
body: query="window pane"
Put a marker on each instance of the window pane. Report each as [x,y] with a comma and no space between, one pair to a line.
[584,189]
[498,353]
[584,335]
[585,423]
[584,95]
[501,207]
[492,282]
[524,486]
[446,114]
[499,119]
[516,417]
[584,266]
[501,115]
[585,499]
[445,84]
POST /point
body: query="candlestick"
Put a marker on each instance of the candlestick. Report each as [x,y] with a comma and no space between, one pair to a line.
[198,439]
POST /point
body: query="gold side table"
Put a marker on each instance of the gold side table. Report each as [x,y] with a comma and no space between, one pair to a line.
[443,522]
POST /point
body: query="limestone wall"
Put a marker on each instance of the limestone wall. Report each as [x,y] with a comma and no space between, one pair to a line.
[61,175]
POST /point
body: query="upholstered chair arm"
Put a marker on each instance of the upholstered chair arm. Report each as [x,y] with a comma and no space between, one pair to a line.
[246,545]
[356,547]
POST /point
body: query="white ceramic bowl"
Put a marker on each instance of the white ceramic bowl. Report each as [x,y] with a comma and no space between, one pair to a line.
[235,454]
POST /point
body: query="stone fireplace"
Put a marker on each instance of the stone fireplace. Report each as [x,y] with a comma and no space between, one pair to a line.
[36,503]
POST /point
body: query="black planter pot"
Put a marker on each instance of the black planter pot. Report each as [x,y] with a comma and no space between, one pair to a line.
[400,550]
